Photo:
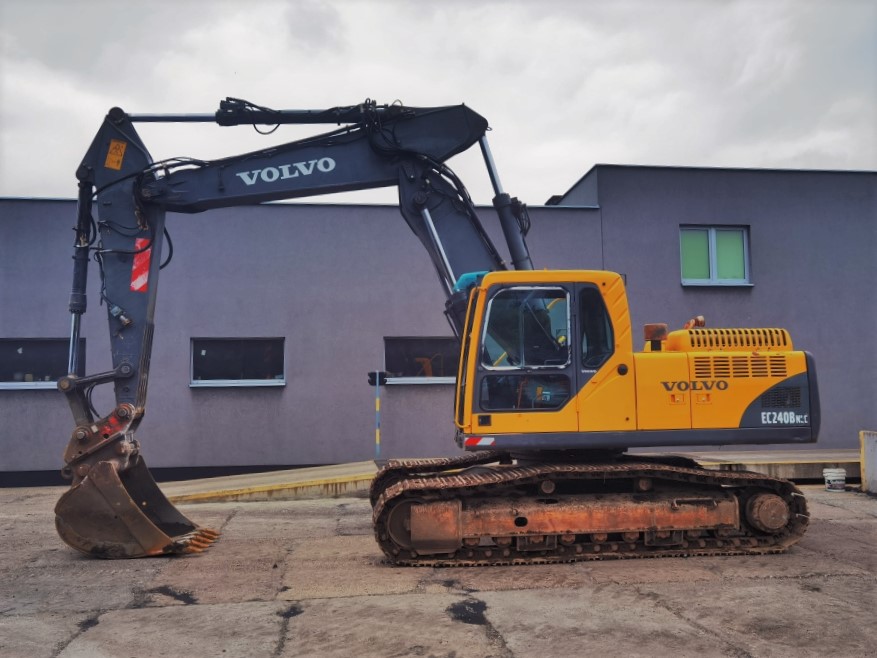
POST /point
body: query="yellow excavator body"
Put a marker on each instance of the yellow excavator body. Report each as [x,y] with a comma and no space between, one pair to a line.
[584,379]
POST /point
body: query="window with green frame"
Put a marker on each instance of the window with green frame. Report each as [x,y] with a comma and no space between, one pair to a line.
[714,255]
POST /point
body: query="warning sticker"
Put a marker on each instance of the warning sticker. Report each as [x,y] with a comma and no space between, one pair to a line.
[116,154]
[140,269]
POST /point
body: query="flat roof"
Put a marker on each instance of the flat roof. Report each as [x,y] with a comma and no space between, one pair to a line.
[557,198]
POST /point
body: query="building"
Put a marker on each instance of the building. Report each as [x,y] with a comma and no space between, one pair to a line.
[332,292]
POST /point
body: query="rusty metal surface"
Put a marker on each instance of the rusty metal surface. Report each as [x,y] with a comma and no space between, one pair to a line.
[104,440]
[436,527]
[695,491]
[109,514]
[114,508]
[767,512]
[396,469]
[444,526]
[596,514]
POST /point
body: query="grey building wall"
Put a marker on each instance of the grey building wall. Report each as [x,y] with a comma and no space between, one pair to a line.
[334,280]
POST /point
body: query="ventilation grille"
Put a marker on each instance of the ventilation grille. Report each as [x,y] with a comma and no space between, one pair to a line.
[737,339]
[782,398]
[729,367]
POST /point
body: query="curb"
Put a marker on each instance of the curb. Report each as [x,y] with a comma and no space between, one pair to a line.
[351,485]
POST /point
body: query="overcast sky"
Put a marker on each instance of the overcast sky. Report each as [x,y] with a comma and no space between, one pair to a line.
[564,84]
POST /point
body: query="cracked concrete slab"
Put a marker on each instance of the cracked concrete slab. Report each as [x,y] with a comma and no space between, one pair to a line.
[344,566]
[306,578]
[400,626]
[39,635]
[510,578]
[242,629]
[231,571]
[607,620]
[775,618]
[849,545]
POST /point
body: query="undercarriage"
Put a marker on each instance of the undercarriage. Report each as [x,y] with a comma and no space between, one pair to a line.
[495,508]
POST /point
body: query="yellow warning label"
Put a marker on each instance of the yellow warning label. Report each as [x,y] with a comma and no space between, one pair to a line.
[116,154]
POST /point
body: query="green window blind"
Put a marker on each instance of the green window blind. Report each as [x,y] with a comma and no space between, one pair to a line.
[695,254]
[730,255]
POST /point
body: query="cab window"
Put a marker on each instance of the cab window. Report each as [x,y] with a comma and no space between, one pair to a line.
[597,339]
[527,328]
[526,337]
[508,392]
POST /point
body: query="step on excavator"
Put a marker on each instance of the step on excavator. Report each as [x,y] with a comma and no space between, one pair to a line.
[550,394]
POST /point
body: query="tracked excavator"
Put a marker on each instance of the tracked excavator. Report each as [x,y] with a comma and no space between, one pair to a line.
[550,394]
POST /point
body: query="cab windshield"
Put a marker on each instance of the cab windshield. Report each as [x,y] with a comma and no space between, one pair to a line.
[527,328]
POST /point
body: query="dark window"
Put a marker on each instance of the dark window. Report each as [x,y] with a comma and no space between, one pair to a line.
[238,360]
[421,357]
[31,360]
[514,391]
[526,332]
[527,328]
[596,329]
[462,384]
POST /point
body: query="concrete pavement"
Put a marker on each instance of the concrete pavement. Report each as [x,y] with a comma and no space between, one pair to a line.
[305,578]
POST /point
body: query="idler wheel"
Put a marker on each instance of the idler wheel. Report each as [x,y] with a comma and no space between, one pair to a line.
[399,524]
[767,512]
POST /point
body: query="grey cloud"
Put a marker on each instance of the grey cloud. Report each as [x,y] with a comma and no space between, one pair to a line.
[314,26]
[87,36]
[680,82]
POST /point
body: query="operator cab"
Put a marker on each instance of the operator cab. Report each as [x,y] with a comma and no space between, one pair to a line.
[534,341]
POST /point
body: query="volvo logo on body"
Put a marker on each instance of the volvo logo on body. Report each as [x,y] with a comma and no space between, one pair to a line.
[282,172]
[705,385]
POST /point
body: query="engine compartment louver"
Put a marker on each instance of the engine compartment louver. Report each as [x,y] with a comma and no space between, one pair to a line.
[782,397]
[727,367]
[763,340]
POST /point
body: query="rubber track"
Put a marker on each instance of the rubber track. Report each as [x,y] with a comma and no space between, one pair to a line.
[430,480]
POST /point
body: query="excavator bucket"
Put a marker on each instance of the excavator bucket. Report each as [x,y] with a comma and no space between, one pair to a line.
[113,514]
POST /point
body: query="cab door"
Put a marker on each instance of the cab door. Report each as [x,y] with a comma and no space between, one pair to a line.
[525,377]
[606,399]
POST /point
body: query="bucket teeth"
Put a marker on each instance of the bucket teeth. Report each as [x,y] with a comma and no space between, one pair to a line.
[195,542]
[208,535]
[201,539]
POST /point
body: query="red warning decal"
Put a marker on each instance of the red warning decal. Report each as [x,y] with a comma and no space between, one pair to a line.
[478,441]
[140,270]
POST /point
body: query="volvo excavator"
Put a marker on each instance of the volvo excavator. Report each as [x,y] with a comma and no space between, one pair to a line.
[550,394]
